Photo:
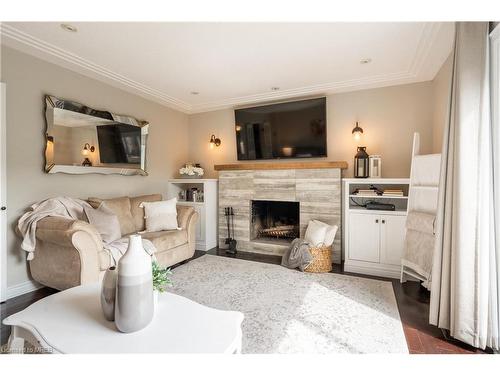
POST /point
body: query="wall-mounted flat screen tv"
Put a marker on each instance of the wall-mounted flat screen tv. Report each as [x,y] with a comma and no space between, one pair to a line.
[284,130]
[119,144]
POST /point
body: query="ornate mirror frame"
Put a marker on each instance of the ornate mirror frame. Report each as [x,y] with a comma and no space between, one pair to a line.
[52,102]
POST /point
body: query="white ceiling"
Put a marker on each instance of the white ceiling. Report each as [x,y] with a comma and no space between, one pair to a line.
[235,64]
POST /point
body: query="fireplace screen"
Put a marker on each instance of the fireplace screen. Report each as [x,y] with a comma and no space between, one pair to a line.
[275,220]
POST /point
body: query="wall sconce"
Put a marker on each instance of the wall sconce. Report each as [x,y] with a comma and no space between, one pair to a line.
[357,132]
[214,142]
[49,149]
[87,149]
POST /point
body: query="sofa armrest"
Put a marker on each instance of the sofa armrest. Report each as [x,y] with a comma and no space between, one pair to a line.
[191,232]
[67,253]
[191,227]
[57,229]
[187,219]
[184,215]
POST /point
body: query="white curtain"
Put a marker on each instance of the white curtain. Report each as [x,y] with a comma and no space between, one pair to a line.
[465,275]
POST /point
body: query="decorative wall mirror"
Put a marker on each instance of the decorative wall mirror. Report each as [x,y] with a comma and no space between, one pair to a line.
[84,140]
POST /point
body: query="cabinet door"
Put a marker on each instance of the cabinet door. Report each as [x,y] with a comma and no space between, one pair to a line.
[392,237]
[364,237]
[200,225]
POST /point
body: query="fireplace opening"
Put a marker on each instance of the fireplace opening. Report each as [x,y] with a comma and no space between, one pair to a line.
[275,220]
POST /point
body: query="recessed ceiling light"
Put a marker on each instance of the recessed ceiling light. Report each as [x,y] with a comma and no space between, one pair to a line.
[68,27]
[274,88]
[194,93]
[365,61]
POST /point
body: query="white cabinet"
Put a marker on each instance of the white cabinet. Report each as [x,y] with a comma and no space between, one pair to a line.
[364,237]
[374,239]
[392,238]
[206,227]
[200,230]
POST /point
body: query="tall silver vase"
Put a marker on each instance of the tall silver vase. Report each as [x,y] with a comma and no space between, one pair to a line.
[108,293]
[134,293]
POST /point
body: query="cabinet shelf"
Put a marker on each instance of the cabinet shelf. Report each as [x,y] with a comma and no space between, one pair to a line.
[376,196]
[189,203]
[191,180]
[362,210]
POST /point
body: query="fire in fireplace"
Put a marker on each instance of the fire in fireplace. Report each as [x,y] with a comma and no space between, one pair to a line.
[275,220]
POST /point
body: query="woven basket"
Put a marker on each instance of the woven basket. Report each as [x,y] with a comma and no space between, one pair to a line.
[322,259]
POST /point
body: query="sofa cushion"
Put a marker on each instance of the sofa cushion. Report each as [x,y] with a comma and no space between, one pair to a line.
[167,239]
[121,208]
[104,221]
[138,212]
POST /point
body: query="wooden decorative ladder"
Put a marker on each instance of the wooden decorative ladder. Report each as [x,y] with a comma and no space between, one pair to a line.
[423,192]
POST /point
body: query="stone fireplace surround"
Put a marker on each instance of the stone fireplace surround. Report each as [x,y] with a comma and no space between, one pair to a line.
[315,185]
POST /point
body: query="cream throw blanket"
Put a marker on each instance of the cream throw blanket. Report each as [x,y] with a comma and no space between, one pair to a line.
[65,207]
[68,208]
[419,243]
[117,248]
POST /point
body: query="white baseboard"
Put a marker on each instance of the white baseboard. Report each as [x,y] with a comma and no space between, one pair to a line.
[373,269]
[22,288]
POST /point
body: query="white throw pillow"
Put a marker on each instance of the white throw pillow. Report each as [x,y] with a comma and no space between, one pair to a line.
[331,231]
[315,233]
[160,215]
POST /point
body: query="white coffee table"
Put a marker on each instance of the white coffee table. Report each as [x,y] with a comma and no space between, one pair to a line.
[71,321]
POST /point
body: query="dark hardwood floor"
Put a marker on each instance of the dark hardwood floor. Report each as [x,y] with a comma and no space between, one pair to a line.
[19,303]
[412,300]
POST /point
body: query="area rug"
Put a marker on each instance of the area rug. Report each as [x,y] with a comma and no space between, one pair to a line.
[288,311]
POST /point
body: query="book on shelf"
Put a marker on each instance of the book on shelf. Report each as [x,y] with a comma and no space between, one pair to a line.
[393,192]
[366,193]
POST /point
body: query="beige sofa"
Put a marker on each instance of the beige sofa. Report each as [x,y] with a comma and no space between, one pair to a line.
[70,252]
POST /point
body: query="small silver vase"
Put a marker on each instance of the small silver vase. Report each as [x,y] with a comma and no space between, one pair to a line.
[108,293]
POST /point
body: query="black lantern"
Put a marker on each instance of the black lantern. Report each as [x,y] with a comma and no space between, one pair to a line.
[361,163]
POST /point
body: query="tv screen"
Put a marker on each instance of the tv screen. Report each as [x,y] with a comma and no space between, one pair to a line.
[119,144]
[284,130]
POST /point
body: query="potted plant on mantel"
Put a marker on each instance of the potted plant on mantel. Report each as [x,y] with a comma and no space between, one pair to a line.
[161,280]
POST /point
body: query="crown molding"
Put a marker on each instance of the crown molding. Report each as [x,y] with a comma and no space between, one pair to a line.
[428,37]
[11,36]
[321,89]
[15,38]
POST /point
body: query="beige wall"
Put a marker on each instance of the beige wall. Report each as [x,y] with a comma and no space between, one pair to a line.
[441,86]
[389,116]
[28,79]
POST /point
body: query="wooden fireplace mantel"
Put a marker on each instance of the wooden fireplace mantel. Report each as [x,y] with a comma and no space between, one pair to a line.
[281,165]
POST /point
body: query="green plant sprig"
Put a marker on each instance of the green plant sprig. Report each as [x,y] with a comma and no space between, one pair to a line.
[161,279]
